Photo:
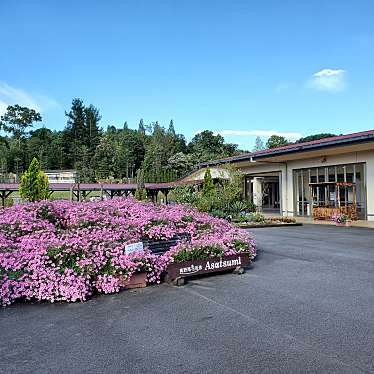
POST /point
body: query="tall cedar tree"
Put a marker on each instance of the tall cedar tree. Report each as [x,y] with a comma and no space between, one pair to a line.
[76,133]
[34,183]
[208,186]
[81,138]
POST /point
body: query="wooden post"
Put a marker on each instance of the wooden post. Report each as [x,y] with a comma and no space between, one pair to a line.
[3,198]
[166,196]
[4,195]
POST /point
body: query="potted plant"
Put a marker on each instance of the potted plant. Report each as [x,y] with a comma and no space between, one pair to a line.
[341,219]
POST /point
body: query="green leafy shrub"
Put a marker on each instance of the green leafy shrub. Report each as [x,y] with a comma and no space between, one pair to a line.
[141,194]
[187,218]
[256,217]
[185,195]
[208,186]
[199,253]
[218,213]
[237,207]
[223,199]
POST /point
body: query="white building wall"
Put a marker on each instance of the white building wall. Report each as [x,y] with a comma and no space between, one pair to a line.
[370,185]
[286,172]
[349,158]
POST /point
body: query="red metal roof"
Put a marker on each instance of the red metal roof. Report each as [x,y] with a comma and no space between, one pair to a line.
[297,147]
[323,141]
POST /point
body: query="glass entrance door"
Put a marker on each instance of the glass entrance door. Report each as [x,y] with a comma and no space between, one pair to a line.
[270,195]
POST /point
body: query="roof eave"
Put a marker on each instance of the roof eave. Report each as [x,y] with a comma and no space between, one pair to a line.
[312,147]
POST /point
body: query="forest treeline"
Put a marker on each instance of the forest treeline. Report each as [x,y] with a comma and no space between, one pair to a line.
[99,154]
[102,154]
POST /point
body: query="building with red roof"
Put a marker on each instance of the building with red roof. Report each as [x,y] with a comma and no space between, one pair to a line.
[318,179]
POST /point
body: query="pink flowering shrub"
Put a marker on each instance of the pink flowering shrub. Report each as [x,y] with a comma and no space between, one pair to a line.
[64,251]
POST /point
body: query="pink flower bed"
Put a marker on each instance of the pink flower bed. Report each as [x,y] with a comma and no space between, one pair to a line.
[63,251]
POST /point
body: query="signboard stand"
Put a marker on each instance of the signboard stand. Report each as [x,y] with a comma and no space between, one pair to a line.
[178,272]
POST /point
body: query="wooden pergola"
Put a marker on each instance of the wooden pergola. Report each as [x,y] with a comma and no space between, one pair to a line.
[81,191]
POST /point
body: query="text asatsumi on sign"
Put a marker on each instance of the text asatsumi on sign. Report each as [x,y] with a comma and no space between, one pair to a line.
[210,265]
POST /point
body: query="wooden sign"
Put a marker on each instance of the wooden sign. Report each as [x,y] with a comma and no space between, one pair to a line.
[210,265]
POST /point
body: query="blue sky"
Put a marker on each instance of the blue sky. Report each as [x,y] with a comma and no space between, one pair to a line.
[241,68]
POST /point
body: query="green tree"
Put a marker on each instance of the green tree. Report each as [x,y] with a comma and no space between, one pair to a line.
[85,165]
[156,150]
[81,136]
[39,145]
[141,127]
[208,186]
[175,143]
[181,163]
[129,152]
[75,133]
[206,146]
[171,129]
[259,145]
[103,160]
[276,141]
[140,193]
[310,138]
[34,183]
[56,158]
[16,156]
[92,119]
[17,119]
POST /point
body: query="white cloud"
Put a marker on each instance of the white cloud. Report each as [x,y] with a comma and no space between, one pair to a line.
[331,80]
[10,95]
[263,133]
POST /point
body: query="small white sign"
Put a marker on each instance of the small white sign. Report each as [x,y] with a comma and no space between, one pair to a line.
[134,247]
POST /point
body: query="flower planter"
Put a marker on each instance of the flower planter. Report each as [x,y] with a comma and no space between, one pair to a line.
[177,272]
[137,280]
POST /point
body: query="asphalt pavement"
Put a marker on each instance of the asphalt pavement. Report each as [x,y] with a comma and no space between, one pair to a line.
[305,306]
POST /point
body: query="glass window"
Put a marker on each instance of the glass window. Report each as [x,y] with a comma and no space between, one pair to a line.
[332,173]
[313,175]
[332,187]
[321,175]
[306,186]
[340,173]
[349,173]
